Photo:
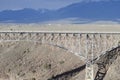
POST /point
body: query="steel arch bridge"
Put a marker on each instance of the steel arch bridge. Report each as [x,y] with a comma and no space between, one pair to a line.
[87,46]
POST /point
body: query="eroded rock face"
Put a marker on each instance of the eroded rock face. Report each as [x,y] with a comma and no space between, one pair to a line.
[33,61]
[114,71]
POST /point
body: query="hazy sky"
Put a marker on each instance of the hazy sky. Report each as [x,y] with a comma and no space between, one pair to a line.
[36,4]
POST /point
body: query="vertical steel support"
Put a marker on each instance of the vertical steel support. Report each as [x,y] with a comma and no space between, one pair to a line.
[89,57]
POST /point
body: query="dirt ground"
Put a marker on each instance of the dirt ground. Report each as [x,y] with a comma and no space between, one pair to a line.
[61,27]
[34,61]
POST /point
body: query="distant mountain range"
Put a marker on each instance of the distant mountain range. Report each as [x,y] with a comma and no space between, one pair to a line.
[90,11]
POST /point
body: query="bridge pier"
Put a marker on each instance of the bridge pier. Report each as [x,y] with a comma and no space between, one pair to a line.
[89,57]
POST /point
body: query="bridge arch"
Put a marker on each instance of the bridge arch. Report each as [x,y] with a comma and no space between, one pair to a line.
[50,44]
[80,44]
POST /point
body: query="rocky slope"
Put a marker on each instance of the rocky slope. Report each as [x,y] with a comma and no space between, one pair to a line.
[34,61]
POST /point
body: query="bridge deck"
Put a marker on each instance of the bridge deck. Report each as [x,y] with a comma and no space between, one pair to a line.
[62,32]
